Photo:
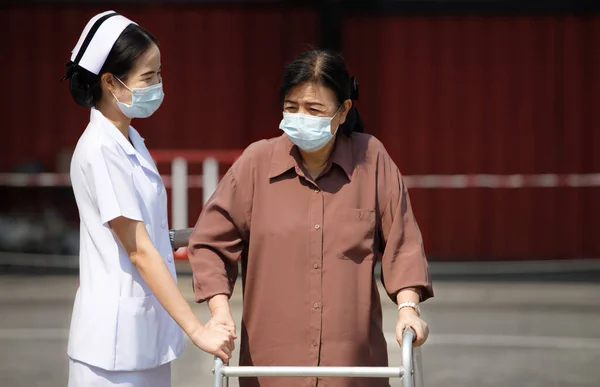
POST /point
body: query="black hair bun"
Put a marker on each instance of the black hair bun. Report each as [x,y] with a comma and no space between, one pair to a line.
[81,90]
[82,85]
[353,89]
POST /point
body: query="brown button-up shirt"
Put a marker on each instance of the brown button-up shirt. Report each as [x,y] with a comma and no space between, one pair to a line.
[308,250]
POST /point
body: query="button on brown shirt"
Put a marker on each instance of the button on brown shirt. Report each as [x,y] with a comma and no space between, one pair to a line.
[308,250]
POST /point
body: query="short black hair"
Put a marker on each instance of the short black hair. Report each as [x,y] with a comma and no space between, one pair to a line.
[85,87]
[326,68]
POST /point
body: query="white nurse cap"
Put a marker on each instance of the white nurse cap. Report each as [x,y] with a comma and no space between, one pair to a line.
[96,41]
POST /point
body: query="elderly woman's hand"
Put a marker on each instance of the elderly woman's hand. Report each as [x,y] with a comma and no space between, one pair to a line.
[223,319]
[408,317]
[221,314]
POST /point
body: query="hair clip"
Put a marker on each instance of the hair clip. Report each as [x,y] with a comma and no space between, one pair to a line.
[353,89]
[71,67]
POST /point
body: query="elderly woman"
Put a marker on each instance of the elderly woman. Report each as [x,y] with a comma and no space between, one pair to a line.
[308,213]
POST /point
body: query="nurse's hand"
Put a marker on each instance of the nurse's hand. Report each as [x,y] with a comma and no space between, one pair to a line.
[408,317]
[216,340]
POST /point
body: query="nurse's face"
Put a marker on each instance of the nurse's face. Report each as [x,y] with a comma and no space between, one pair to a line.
[145,72]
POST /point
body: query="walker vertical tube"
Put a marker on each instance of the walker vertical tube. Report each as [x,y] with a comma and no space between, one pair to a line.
[407,357]
[218,376]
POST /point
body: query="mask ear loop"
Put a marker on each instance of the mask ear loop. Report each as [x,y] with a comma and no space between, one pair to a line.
[131,91]
[332,117]
[122,83]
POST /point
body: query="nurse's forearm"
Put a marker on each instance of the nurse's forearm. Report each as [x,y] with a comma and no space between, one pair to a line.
[155,273]
[141,251]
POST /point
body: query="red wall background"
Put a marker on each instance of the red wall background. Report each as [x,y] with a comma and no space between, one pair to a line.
[221,69]
[446,95]
[498,95]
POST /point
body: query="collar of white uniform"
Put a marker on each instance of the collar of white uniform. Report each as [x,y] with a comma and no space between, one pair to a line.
[97,118]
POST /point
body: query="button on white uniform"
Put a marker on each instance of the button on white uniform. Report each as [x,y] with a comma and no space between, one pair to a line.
[163,224]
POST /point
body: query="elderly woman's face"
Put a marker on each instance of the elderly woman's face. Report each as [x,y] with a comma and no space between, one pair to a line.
[316,100]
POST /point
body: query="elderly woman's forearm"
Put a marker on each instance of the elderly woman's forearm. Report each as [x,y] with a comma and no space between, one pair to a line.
[219,304]
[408,295]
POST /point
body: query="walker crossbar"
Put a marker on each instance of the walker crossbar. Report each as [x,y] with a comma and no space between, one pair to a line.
[223,372]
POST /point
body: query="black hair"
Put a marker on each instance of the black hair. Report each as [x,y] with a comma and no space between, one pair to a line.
[85,87]
[328,69]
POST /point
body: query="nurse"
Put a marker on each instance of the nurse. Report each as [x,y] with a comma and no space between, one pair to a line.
[129,315]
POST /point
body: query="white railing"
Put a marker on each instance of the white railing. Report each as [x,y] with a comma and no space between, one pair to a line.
[180,181]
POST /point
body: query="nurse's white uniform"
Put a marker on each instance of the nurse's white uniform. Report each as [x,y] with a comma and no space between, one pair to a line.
[120,334]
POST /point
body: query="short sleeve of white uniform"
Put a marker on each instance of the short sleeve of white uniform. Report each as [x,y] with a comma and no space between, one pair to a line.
[109,177]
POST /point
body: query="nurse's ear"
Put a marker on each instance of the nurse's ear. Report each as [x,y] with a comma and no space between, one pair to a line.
[112,85]
[109,82]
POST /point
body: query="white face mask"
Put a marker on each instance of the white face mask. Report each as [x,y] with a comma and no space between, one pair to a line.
[144,101]
[309,133]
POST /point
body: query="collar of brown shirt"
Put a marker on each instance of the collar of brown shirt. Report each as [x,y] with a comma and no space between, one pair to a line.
[286,156]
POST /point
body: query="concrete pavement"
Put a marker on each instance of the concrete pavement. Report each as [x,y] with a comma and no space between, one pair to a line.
[482,334]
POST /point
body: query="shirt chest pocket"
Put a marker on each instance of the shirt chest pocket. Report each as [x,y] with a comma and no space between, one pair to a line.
[354,233]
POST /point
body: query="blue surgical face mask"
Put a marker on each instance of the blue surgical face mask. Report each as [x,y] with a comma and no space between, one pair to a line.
[309,133]
[144,101]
